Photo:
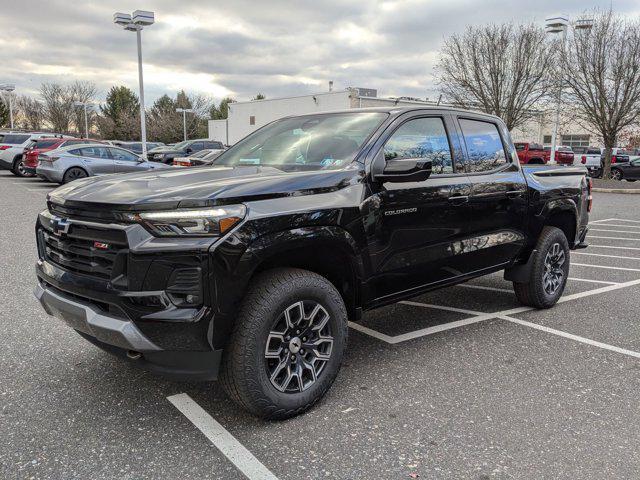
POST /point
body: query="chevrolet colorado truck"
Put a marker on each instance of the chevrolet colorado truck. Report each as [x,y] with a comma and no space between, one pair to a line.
[249,270]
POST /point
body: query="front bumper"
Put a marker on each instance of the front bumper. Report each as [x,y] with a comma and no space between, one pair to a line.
[123,338]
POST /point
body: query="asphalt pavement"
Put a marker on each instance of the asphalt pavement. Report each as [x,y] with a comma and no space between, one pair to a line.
[458,383]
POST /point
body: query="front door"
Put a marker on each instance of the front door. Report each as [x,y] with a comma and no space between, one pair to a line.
[413,228]
[97,160]
[126,161]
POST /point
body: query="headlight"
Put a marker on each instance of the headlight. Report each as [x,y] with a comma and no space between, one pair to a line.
[190,223]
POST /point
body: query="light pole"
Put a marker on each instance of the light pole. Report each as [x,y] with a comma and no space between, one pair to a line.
[8,87]
[184,112]
[560,24]
[86,122]
[135,23]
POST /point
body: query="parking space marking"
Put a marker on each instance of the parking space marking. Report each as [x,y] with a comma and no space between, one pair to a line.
[615,238]
[571,336]
[603,255]
[603,220]
[588,280]
[479,316]
[615,247]
[441,307]
[371,332]
[231,448]
[622,220]
[618,225]
[482,287]
[612,231]
[606,267]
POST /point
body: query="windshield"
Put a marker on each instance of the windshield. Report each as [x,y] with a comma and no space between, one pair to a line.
[309,142]
[181,145]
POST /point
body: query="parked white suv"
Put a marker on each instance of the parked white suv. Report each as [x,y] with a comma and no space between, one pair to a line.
[12,148]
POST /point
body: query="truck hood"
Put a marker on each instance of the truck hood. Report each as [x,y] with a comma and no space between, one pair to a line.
[198,187]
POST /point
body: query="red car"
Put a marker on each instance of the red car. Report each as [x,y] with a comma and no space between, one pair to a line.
[564,155]
[531,153]
[45,144]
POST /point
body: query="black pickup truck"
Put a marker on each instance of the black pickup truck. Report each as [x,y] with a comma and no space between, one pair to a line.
[248,271]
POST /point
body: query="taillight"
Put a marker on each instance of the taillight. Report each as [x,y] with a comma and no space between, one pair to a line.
[589,197]
[584,159]
[613,159]
[181,163]
[4,147]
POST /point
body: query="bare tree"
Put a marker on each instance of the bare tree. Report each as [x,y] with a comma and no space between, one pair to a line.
[505,70]
[84,92]
[31,112]
[604,80]
[58,106]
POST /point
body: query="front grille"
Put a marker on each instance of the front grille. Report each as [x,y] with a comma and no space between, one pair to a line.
[86,250]
[105,216]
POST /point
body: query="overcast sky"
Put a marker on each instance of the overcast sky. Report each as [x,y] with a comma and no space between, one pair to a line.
[242,47]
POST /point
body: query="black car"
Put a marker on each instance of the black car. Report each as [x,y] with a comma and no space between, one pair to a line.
[249,270]
[626,171]
[167,153]
[136,147]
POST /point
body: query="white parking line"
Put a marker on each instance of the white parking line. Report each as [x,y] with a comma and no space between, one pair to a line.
[615,238]
[479,316]
[603,220]
[612,231]
[441,307]
[231,448]
[571,336]
[482,287]
[618,225]
[621,219]
[605,267]
[615,247]
[603,255]
[592,281]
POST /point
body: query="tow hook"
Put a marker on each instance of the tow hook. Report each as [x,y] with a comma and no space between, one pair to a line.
[133,355]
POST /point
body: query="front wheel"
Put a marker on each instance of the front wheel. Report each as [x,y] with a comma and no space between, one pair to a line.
[287,345]
[616,174]
[549,271]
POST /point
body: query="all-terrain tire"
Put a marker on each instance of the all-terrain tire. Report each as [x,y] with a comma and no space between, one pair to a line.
[533,293]
[244,374]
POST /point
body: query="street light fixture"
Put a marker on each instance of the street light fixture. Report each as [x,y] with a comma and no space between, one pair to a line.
[135,23]
[86,122]
[184,112]
[9,87]
[561,24]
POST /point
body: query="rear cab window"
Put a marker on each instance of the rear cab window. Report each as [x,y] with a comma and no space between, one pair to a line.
[485,148]
[15,139]
[45,143]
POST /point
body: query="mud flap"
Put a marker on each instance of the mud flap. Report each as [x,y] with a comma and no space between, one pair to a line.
[520,273]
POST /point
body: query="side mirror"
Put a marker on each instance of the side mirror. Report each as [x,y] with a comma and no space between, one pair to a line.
[402,169]
[188,150]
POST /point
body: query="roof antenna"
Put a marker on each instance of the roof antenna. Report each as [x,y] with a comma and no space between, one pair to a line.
[331,85]
[439,99]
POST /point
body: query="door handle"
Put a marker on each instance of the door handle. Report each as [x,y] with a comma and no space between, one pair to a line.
[459,199]
[514,193]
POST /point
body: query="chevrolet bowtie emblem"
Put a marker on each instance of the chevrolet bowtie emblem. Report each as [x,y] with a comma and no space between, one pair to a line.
[60,226]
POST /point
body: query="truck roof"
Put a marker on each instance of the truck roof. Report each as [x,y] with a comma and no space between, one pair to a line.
[394,110]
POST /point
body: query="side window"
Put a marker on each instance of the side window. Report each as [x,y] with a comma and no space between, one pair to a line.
[122,155]
[95,152]
[422,138]
[77,151]
[484,145]
[197,146]
[213,145]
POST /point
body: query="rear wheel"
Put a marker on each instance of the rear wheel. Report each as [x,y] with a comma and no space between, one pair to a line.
[18,168]
[549,271]
[74,173]
[287,345]
[616,174]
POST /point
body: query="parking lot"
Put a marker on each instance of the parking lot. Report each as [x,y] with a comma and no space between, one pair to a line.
[458,383]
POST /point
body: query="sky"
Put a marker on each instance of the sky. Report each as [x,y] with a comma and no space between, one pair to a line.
[239,48]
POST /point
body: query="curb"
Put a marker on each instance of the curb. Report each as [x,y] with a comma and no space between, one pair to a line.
[616,190]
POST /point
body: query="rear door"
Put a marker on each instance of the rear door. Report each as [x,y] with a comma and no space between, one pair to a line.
[497,215]
[97,160]
[414,228]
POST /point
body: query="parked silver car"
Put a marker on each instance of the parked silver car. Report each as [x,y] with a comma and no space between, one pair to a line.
[78,161]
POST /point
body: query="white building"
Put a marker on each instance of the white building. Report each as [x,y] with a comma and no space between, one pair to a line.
[246,117]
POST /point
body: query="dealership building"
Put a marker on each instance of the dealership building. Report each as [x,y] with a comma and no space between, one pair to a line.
[246,117]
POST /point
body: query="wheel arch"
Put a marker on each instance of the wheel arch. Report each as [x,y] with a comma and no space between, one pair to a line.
[78,167]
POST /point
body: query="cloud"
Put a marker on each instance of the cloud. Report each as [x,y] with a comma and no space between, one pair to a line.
[240,48]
